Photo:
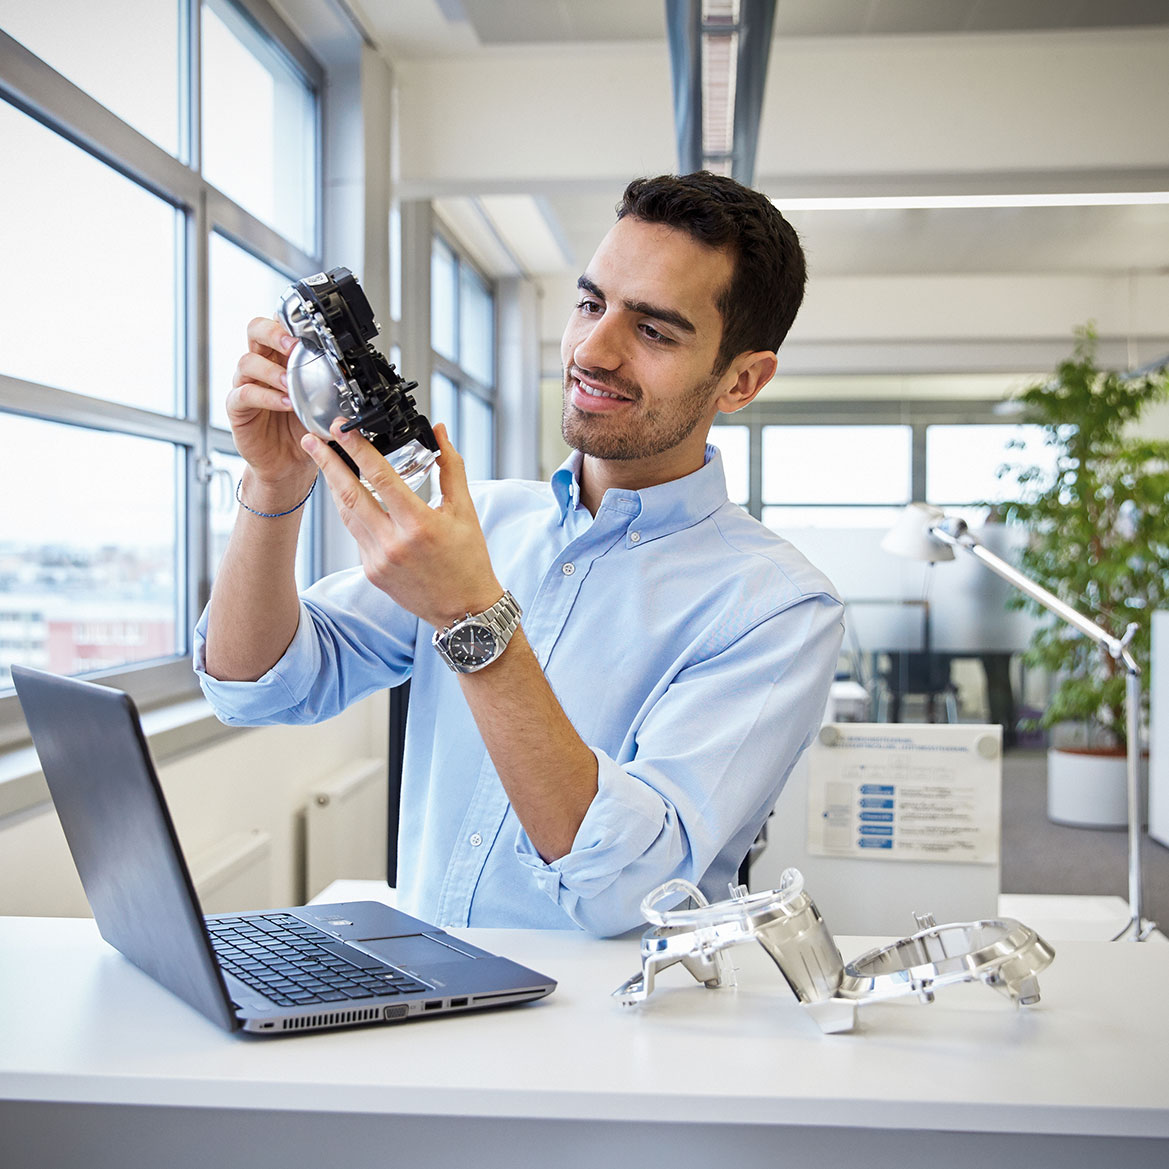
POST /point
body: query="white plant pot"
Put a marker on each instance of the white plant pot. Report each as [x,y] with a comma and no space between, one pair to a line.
[1087,789]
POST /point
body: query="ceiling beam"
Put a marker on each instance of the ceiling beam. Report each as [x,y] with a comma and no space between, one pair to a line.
[719,51]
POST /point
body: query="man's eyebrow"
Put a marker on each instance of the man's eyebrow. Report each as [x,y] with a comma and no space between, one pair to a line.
[667,316]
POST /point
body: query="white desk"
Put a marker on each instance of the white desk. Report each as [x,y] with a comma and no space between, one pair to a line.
[99,1066]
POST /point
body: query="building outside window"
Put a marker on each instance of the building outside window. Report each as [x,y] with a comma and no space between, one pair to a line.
[462,338]
[146,230]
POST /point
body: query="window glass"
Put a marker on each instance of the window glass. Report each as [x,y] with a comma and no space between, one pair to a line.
[444,406]
[963,462]
[734,443]
[443,285]
[478,437]
[259,124]
[88,578]
[96,305]
[788,519]
[242,287]
[836,464]
[135,76]
[476,327]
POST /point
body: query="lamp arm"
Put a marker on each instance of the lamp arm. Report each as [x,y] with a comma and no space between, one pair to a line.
[955,533]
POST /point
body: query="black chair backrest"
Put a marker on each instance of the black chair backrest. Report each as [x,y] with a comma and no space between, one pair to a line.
[399,705]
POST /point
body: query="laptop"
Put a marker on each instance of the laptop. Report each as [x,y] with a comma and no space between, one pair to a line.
[306,968]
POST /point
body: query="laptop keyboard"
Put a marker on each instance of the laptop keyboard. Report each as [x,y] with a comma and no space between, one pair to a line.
[292,963]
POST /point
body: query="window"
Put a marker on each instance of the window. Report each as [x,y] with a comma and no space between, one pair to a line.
[462,339]
[241,287]
[111,406]
[129,269]
[827,474]
[734,443]
[980,464]
[835,476]
[88,577]
[134,74]
[258,117]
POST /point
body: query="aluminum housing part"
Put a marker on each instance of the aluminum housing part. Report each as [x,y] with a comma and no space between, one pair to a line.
[1002,953]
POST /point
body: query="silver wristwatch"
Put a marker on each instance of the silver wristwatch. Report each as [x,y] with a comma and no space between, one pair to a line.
[478,639]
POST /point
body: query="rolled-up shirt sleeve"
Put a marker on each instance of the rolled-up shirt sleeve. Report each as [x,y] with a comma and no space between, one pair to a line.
[700,771]
[351,640]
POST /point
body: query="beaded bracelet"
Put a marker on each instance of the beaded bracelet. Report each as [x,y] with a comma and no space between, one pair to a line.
[272,515]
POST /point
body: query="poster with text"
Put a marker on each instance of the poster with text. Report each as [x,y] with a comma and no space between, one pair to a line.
[906,792]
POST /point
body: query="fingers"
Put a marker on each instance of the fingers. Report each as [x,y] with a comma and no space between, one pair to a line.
[267,333]
[256,367]
[346,488]
[398,499]
[452,471]
[269,344]
[248,396]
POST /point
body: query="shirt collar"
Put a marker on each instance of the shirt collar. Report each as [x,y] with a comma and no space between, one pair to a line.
[668,507]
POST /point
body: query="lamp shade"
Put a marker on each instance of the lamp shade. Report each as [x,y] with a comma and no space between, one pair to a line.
[910,535]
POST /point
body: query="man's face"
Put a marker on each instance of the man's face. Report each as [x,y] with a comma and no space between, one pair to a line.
[640,347]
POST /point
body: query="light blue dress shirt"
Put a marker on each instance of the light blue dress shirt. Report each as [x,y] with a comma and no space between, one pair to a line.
[691,648]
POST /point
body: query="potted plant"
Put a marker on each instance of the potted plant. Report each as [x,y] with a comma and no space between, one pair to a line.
[1098,537]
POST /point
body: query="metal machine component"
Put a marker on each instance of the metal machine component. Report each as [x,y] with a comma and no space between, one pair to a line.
[784,921]
[1002,953]
[336,373]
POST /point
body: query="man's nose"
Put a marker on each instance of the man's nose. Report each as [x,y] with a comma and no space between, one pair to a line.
[603,347]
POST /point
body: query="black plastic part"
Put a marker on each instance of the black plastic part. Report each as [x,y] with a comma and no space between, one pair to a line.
[385,412]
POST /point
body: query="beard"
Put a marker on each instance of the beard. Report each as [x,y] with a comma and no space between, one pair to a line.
[641,434]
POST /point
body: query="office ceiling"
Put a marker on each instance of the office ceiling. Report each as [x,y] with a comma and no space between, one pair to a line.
[442,28]
[910,250]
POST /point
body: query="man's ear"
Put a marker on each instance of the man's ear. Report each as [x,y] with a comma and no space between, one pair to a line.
[752,372]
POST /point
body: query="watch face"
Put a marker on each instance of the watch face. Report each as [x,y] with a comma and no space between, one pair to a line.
[471,645]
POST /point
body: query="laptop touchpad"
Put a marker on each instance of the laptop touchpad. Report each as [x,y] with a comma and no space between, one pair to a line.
[413,951]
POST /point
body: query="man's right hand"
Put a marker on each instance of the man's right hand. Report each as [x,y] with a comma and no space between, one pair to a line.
[266,429]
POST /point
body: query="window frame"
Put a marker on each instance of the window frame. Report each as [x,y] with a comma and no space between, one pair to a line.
[917,414]
[36,89]
[465,382]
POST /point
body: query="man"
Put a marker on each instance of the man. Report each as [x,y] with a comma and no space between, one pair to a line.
[674,656]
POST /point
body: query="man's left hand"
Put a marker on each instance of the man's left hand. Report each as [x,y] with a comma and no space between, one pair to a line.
[433,561]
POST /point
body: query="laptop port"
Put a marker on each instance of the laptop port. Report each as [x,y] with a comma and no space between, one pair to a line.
[458,1002]
[436,1005]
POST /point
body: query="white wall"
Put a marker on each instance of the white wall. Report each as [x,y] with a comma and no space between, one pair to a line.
[251,780]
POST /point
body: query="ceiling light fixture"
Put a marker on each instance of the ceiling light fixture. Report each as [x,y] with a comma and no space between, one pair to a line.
[971,202]
[718,57]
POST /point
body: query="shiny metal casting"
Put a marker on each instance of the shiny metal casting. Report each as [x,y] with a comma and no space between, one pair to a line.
[322,386]
[317,385]
[1002,953]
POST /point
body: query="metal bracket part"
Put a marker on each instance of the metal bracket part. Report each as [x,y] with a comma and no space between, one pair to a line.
[1002,953]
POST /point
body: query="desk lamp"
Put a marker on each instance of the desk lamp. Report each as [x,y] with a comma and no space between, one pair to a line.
[926,533]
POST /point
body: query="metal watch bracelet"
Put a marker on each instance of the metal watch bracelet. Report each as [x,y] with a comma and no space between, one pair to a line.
[499,623]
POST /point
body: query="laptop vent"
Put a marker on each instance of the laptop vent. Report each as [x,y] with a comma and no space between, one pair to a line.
[334,1019]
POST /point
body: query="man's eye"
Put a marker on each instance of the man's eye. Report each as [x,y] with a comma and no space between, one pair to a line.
[588,306]
[654,335]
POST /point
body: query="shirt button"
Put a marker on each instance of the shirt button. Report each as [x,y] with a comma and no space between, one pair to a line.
[568,569]
[475,840]
[634,537]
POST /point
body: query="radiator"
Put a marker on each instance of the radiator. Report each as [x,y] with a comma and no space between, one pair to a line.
[345,826]
[235,874]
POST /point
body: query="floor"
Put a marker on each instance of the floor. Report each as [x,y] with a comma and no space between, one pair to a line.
[1041,857]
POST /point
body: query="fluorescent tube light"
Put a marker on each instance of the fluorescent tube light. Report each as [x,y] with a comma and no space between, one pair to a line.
[971,202]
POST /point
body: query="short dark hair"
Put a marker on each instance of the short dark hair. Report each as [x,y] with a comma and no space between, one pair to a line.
[767,285]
